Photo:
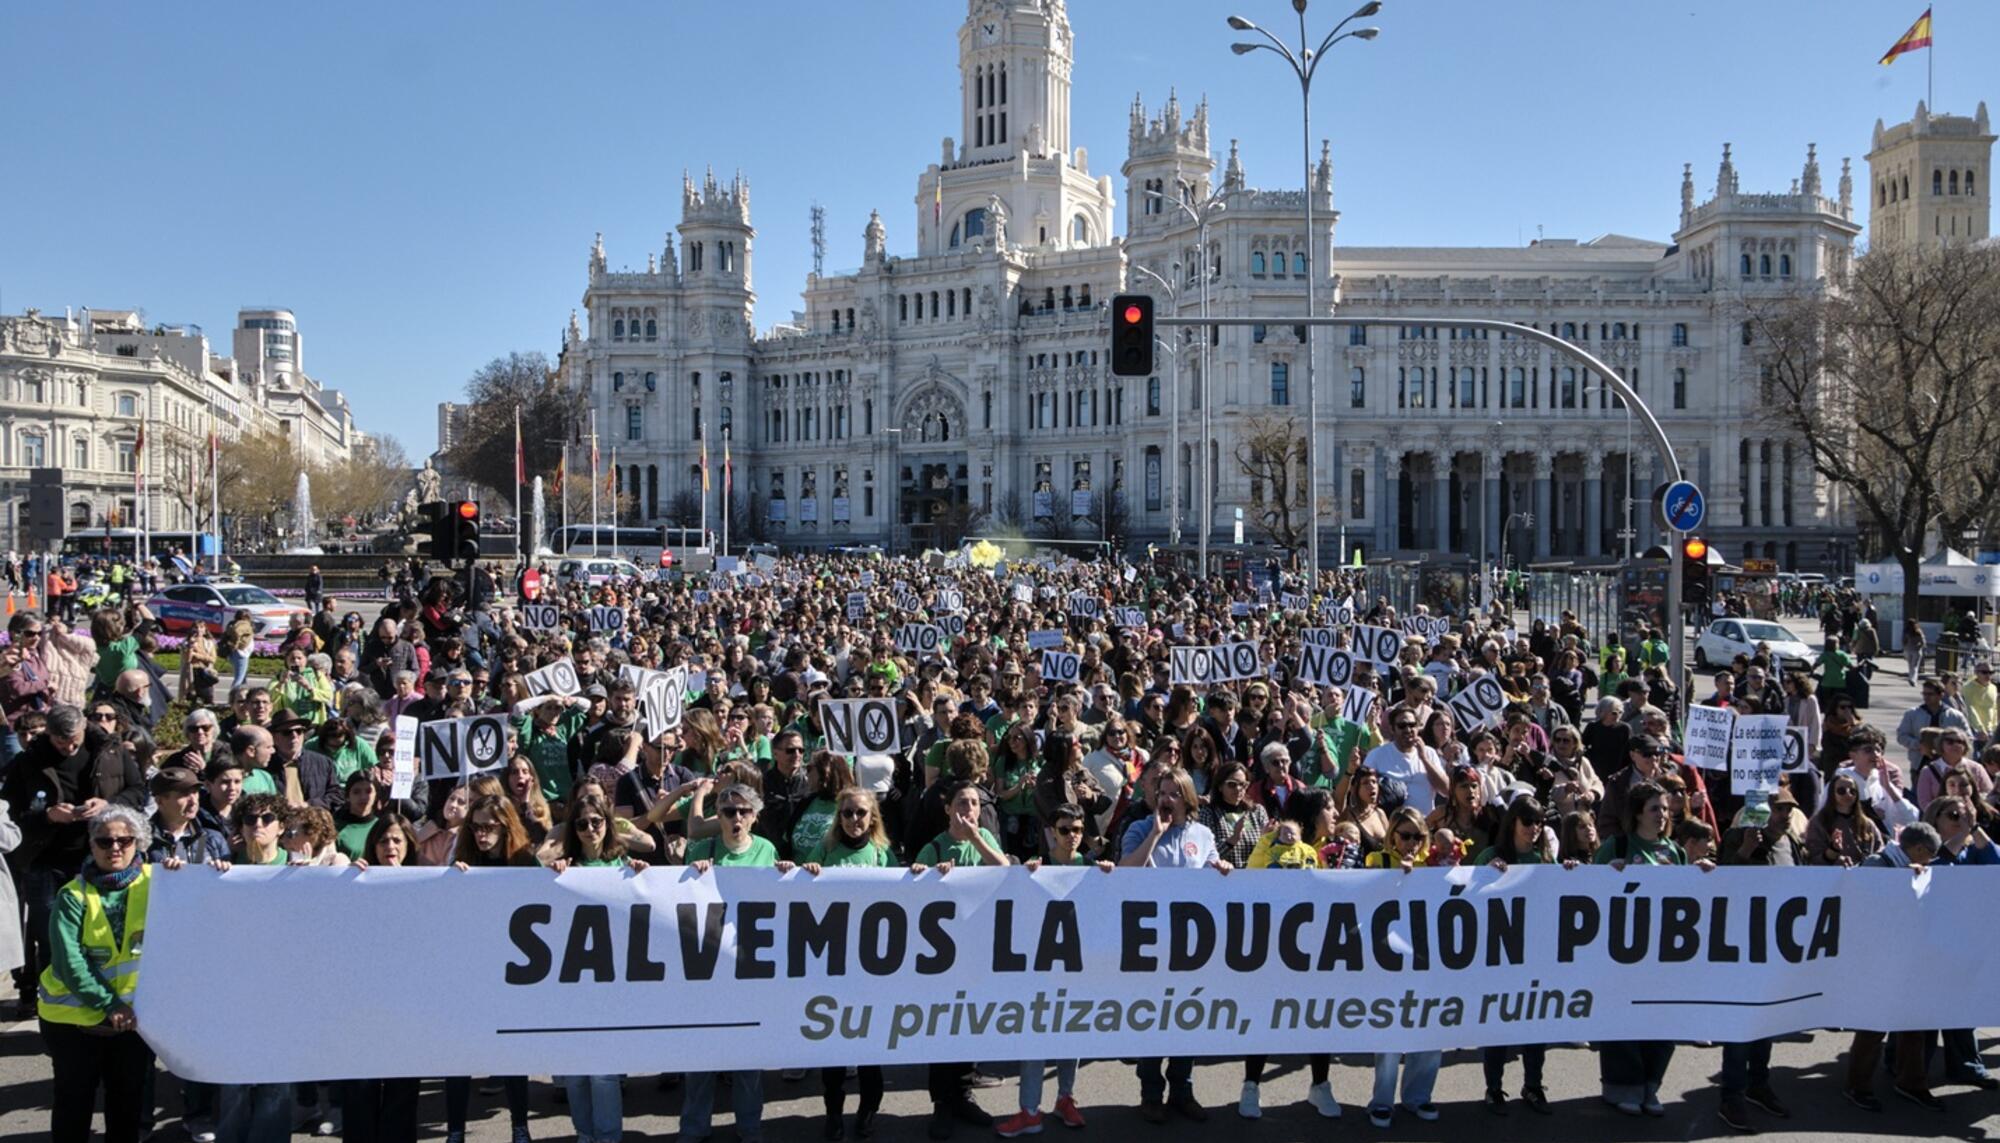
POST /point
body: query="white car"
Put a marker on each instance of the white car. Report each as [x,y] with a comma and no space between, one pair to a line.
[592,572]
[181,606]
[1724,639]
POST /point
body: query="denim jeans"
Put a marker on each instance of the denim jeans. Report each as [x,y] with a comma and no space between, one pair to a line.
[1031,1081]
[698,1102]
[254,1113]
[1420,1073]
[596,1106]
[1961,1054]
[1745,1066]
[1179,1080]
[239,666]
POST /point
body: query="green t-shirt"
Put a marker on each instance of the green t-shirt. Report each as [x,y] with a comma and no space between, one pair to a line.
[550,751]
[117,657]
[869,855]
[352,838]
[1835,663]
[812,825]
[760,854]
[1014,770]
[1634,850]
[259,782]
[944,848]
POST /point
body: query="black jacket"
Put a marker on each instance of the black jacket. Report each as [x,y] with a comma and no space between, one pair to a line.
[99,769]
[316,780]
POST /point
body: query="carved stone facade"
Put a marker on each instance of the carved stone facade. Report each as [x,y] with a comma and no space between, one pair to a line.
[979,359]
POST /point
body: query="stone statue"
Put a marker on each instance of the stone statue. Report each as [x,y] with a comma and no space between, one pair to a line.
[996,221]
[430,486]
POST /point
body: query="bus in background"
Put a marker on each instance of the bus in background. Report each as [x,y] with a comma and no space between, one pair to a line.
[104,543]
[643,546]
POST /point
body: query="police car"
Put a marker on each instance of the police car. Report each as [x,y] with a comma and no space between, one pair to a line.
[180,607]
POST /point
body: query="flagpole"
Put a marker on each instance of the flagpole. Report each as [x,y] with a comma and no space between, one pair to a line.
[703,542]
[725,492]
[1930,62]
[520,473]
[214,494]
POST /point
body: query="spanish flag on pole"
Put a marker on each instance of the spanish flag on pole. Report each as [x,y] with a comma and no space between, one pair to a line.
[1919,36]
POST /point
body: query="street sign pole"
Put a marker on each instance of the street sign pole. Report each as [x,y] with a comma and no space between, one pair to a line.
[1680,506]
[1676,624]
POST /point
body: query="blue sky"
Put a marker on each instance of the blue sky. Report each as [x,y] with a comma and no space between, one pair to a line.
[420,182]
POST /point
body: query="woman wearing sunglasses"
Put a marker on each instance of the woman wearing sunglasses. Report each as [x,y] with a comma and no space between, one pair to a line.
[1409,839]
[588,840]
[734,846]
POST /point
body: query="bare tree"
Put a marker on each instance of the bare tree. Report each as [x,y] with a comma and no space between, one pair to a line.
[550,412]
[1007,514]
[1891,382]
[365,485]
[1272,453]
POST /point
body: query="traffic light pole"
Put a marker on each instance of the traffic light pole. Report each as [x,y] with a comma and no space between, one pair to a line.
[1676,565]
[1670,464]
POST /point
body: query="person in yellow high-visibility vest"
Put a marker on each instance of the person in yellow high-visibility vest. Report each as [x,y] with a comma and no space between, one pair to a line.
[97,926]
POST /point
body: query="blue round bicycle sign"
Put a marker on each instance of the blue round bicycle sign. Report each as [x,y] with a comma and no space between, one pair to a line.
[1683,506]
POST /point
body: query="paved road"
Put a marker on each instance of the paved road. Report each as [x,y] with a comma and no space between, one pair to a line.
[1806,1071]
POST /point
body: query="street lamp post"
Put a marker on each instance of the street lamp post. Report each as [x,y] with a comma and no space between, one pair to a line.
[1200,215]
[1304,63]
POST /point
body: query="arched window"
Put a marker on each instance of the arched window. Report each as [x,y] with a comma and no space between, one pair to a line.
[652,330]
[902,307]
[1968,183]
[1299,263]
[1784,265]
[652,382]
[1256,261]
[694,257]
[618,330]
[1152,396]
[964,305]
[934,305]
[1618,331]
[617,382]
[1517,387]
[1079,229]
[1680,388]
[1904,191]
[951,303]
[1567,397]
[1747,269]
[1468,388]
[1937,182]
[1569,327]
[954,236]
[1764,265]
[1357,388]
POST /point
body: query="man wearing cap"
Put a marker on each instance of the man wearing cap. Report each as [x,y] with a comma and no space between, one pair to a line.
[432,703]
[177,828]
[1646,761]
[303,777]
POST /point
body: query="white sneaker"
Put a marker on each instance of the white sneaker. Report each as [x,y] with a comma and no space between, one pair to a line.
[1247,1105]
[1320,1095]
[200,1130]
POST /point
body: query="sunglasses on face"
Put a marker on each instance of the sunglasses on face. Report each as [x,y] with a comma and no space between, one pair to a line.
[262,820]
[1070,830]
[125,841]
[1404,835]
[737,812]
[103,716]
[855,813]
[590,823]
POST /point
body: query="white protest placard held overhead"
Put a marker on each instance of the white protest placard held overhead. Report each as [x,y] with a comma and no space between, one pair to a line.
[558,678]
[1756,752]
[540,617]
[857,605]
[1354,707]
[919,638]
[662,694]
[1060,666]
[1222,663]
[1043,640]
[1325,666]
[457,748]
[1084,605]
[1317,636]
[1709,730]
[603,618]
[1130,618]
[1378,645]
[860,726]
[404,759]
[1479,703]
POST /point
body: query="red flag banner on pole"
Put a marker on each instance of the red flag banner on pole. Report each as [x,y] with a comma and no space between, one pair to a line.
[1919,36]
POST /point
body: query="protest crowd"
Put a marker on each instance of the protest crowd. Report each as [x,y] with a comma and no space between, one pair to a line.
[1042,717]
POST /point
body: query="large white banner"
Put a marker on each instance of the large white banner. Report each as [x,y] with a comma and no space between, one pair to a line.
[602,971]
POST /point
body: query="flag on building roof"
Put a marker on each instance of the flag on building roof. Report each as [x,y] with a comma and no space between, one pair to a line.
[1919,36]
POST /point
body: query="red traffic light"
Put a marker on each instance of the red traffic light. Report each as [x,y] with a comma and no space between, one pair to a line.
[1695,548]
[1134,315]
[468,510]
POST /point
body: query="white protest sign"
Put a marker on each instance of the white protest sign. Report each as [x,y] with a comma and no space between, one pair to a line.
[1043,640]
[1317,636]
[404,757]
[953,625]
[860,726]
[1131,574]
[603,618]
[662,694]
[1064,963]
[540,617]
[908,601]
[919,638]
[1479,703]
[1709,729]
[1292,602]
[1224,662]
[857,605]
[1060,666]
[1130,618]
[1797,758]
[558,678]
[1339,614]
[1756,752]
[868,579]
[700,598]
[1354,707]
[1378,645]
[1325,666]
[950,600]
[1024,592]
[1239,609]
[458,748]
[1084,605]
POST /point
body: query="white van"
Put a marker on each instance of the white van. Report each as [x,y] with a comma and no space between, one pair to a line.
[592,572]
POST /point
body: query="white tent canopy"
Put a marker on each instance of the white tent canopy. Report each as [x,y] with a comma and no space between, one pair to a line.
[1948,573]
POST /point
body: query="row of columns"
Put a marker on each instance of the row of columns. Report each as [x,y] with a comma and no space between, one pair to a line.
[1593,518]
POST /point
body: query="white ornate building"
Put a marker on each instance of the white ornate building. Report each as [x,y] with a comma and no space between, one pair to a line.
[75,389]
[973,371]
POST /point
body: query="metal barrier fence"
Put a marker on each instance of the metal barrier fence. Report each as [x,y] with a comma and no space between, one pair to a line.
[1593,597]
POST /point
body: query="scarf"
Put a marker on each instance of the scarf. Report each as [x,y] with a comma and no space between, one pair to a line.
[105,882]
